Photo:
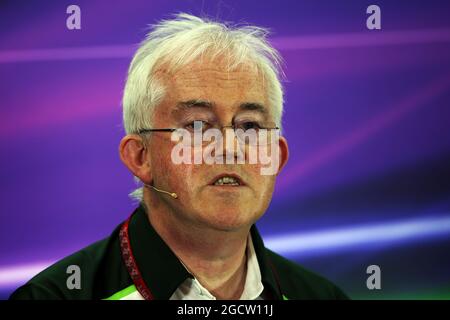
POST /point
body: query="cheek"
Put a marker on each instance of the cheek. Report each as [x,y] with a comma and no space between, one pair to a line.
[263,184]
[164,171]
[181,177]
[266,185]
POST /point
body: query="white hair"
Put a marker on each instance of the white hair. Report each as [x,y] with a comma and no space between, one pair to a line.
[182,40]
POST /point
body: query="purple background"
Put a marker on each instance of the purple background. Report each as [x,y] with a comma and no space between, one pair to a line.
[367,116]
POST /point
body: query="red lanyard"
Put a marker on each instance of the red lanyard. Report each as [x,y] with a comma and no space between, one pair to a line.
[130,262]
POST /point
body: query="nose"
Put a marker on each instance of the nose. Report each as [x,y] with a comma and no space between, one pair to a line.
[233,150]
[226,149]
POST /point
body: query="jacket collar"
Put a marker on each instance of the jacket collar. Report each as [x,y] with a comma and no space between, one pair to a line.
[163,272]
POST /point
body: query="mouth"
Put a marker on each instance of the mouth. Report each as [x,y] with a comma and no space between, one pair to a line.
[227,180]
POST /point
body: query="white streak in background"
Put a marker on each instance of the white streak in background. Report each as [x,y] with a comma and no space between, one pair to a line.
[340,239]
[343,40]
[18,274]
[75,53]
[301,243]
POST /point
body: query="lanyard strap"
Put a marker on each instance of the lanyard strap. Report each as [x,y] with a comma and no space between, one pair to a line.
[130,262]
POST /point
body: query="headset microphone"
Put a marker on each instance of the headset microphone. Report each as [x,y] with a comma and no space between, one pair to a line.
[172,194]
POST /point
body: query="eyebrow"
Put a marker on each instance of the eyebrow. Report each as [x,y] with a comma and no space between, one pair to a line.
[195,103]
[205,104]
[253,106]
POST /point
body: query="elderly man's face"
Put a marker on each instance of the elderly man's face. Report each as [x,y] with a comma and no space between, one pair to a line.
[200,201]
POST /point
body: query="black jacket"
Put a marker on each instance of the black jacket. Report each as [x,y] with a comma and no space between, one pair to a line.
[105,276]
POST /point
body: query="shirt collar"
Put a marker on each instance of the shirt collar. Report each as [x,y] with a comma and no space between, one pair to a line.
[163,272]
[192,289]
[253,283]
[269,275]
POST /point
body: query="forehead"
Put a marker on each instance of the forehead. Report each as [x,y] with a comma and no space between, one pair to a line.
[212,81]
[217,75]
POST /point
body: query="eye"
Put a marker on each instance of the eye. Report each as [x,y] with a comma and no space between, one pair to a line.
[197,123]
[247,125]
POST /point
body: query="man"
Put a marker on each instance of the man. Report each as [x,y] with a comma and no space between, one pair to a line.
[202,106]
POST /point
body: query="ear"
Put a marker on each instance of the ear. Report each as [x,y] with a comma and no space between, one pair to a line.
[134,155]
[284,153]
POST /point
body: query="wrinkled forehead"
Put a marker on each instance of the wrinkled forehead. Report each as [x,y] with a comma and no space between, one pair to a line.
[215,82]
[220,69]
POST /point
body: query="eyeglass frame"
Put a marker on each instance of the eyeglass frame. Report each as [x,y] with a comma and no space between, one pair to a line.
[144,131]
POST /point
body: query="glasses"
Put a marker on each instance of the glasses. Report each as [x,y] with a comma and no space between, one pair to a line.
[204,133]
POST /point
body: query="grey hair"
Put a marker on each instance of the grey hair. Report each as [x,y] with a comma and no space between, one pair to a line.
[180,41]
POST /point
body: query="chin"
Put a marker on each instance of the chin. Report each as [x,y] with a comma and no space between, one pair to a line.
[229,219]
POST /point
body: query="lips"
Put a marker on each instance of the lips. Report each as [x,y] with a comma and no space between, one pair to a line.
[227,179]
